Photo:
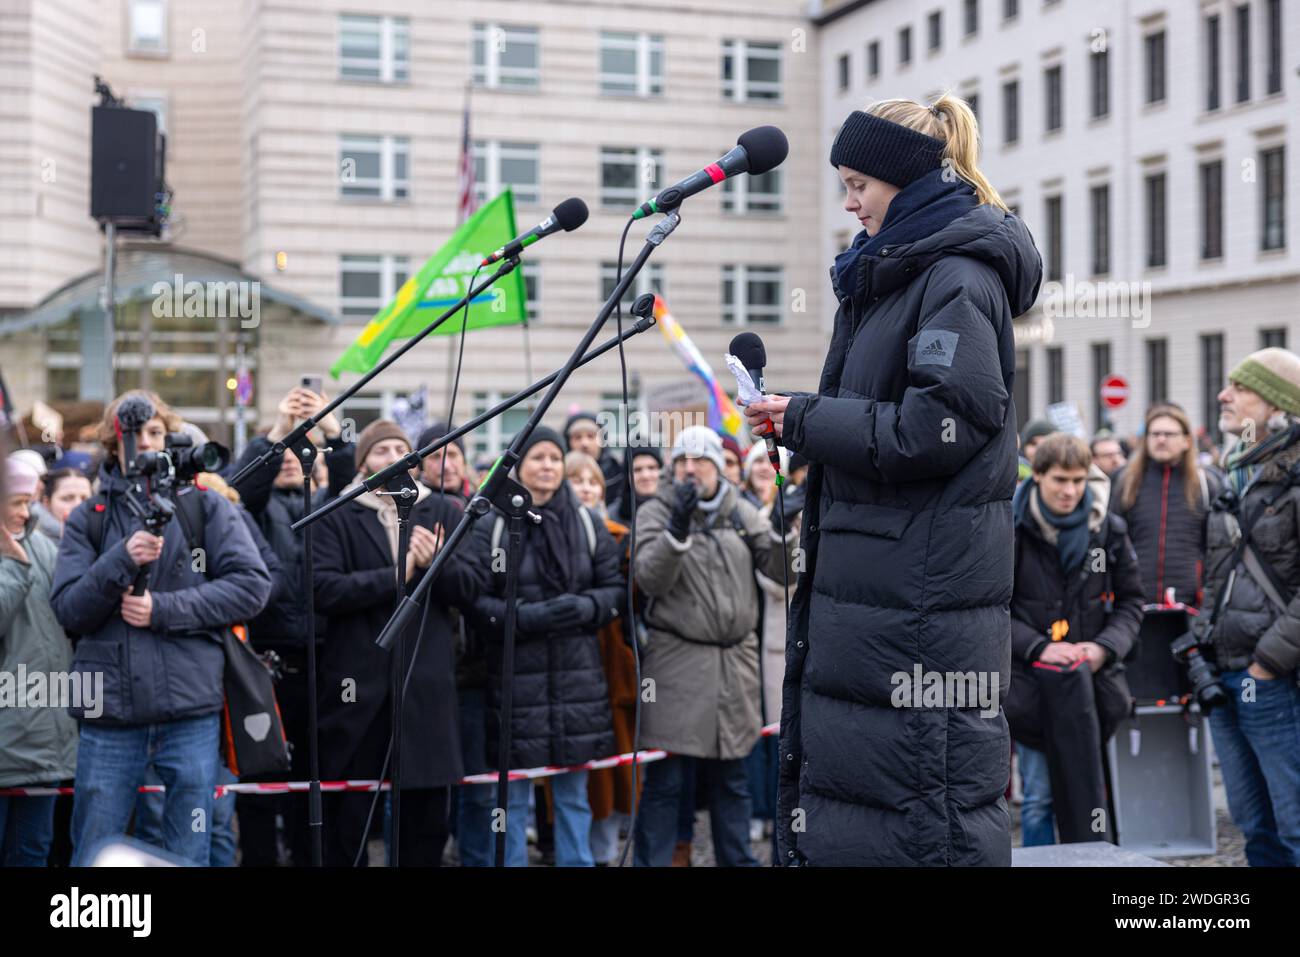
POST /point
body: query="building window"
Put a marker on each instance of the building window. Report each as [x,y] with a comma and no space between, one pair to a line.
[490,439]
[1212,62]
[1211,382]
[498,165]
[1212,209]
[751,71]
[904,46]
[505,57]
[973,101]
[628,175]
[934,30]
[752,294]
[1272,165]
[1010,112]
[631,64]
[1052,97]
[1157,371]
[1155,67]
[1100,369]
[873,59]
[971,18]
[1157,221]
[368,283]
[752,194]
[1054,237]
[532,272]
[1099,200]
[374,48]
[1100,63]
[1010,9]
[374,167]
[1274,19]
[1243,53]
[1273,338]
[842,65]
[649,279]
[1055,375]
[147,21]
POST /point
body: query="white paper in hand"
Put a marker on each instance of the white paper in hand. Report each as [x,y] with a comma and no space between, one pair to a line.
[746,392]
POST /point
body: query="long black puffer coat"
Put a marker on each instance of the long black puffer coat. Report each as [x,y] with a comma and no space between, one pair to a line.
[912,440]
[560,712]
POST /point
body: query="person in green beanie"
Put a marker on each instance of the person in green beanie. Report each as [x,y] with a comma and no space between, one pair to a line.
[1254,630]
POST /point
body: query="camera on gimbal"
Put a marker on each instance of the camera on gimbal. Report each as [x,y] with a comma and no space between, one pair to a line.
[180,460]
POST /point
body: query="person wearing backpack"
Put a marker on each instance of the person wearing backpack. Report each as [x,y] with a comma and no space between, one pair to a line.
[698,545]
[570,587]
[159,653]
[1252,579]
[1164,496]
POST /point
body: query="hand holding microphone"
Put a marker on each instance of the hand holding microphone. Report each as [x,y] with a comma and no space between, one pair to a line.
[766,418]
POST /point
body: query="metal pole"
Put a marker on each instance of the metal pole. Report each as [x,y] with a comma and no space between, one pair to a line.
[110,307]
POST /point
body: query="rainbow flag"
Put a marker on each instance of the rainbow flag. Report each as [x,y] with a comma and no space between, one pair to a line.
[724,417]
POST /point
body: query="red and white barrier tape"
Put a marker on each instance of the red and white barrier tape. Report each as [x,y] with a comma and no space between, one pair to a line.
[288,787]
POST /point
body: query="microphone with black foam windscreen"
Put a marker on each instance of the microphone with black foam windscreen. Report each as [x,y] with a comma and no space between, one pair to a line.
[757,151]
[129,418]
[566,217]
[748,348]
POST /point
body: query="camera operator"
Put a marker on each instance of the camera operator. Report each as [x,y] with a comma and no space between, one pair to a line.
[1254,628]
[158,652]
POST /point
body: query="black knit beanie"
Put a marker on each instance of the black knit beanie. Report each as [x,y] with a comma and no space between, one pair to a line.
[542,434]
[435,432]
[885,150]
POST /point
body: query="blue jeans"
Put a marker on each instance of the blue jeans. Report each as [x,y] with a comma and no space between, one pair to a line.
[572,821]
[474,802]
[761,769]
[26,830]
[149,818]
[1037,824]
[729,810]
[111,766]
[1258,743]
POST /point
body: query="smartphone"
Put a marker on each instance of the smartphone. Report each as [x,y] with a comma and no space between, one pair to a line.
[312,382]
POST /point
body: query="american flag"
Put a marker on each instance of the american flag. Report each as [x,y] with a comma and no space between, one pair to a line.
[468,197]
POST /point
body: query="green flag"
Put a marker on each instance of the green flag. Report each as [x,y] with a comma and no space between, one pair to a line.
[440,283]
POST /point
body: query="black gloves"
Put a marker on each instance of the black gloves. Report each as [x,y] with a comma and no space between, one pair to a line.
[561,613]
[685,497]
[792,502]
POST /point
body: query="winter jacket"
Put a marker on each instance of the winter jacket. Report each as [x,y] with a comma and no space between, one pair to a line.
[701,620]
[1168,534]
[356,590]
[38,744]
[173,668]
[1250,626]
[907,539]
[560,711]
[1044,594]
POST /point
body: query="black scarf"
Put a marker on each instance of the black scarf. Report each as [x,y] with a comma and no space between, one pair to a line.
[557,543]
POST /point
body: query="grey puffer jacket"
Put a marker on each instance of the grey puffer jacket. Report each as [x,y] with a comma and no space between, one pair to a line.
[1250,627]
[38,745]
[173,669]
[908,537]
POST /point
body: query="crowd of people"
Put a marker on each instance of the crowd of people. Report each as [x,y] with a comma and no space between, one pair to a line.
[1104,531]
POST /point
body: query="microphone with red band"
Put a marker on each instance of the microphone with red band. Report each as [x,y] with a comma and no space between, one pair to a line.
[757,151]
[748,348]
[568,216]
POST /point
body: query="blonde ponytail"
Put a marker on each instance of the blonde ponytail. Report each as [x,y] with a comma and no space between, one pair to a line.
[949,118]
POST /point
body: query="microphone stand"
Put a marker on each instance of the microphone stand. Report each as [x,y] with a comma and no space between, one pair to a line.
[512,500]
[643,309]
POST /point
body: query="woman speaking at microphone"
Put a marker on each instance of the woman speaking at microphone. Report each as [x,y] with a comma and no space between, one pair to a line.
[911,438]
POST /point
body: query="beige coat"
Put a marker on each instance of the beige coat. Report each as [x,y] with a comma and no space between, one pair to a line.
[702,653]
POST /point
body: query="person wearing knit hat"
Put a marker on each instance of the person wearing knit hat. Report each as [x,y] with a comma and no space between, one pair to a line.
[444,470]
[381,430]
[583,433]
[1254,631]
[34,460]
[20,477]
[647,467]
[913,435]
[696,442]
[732,458]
